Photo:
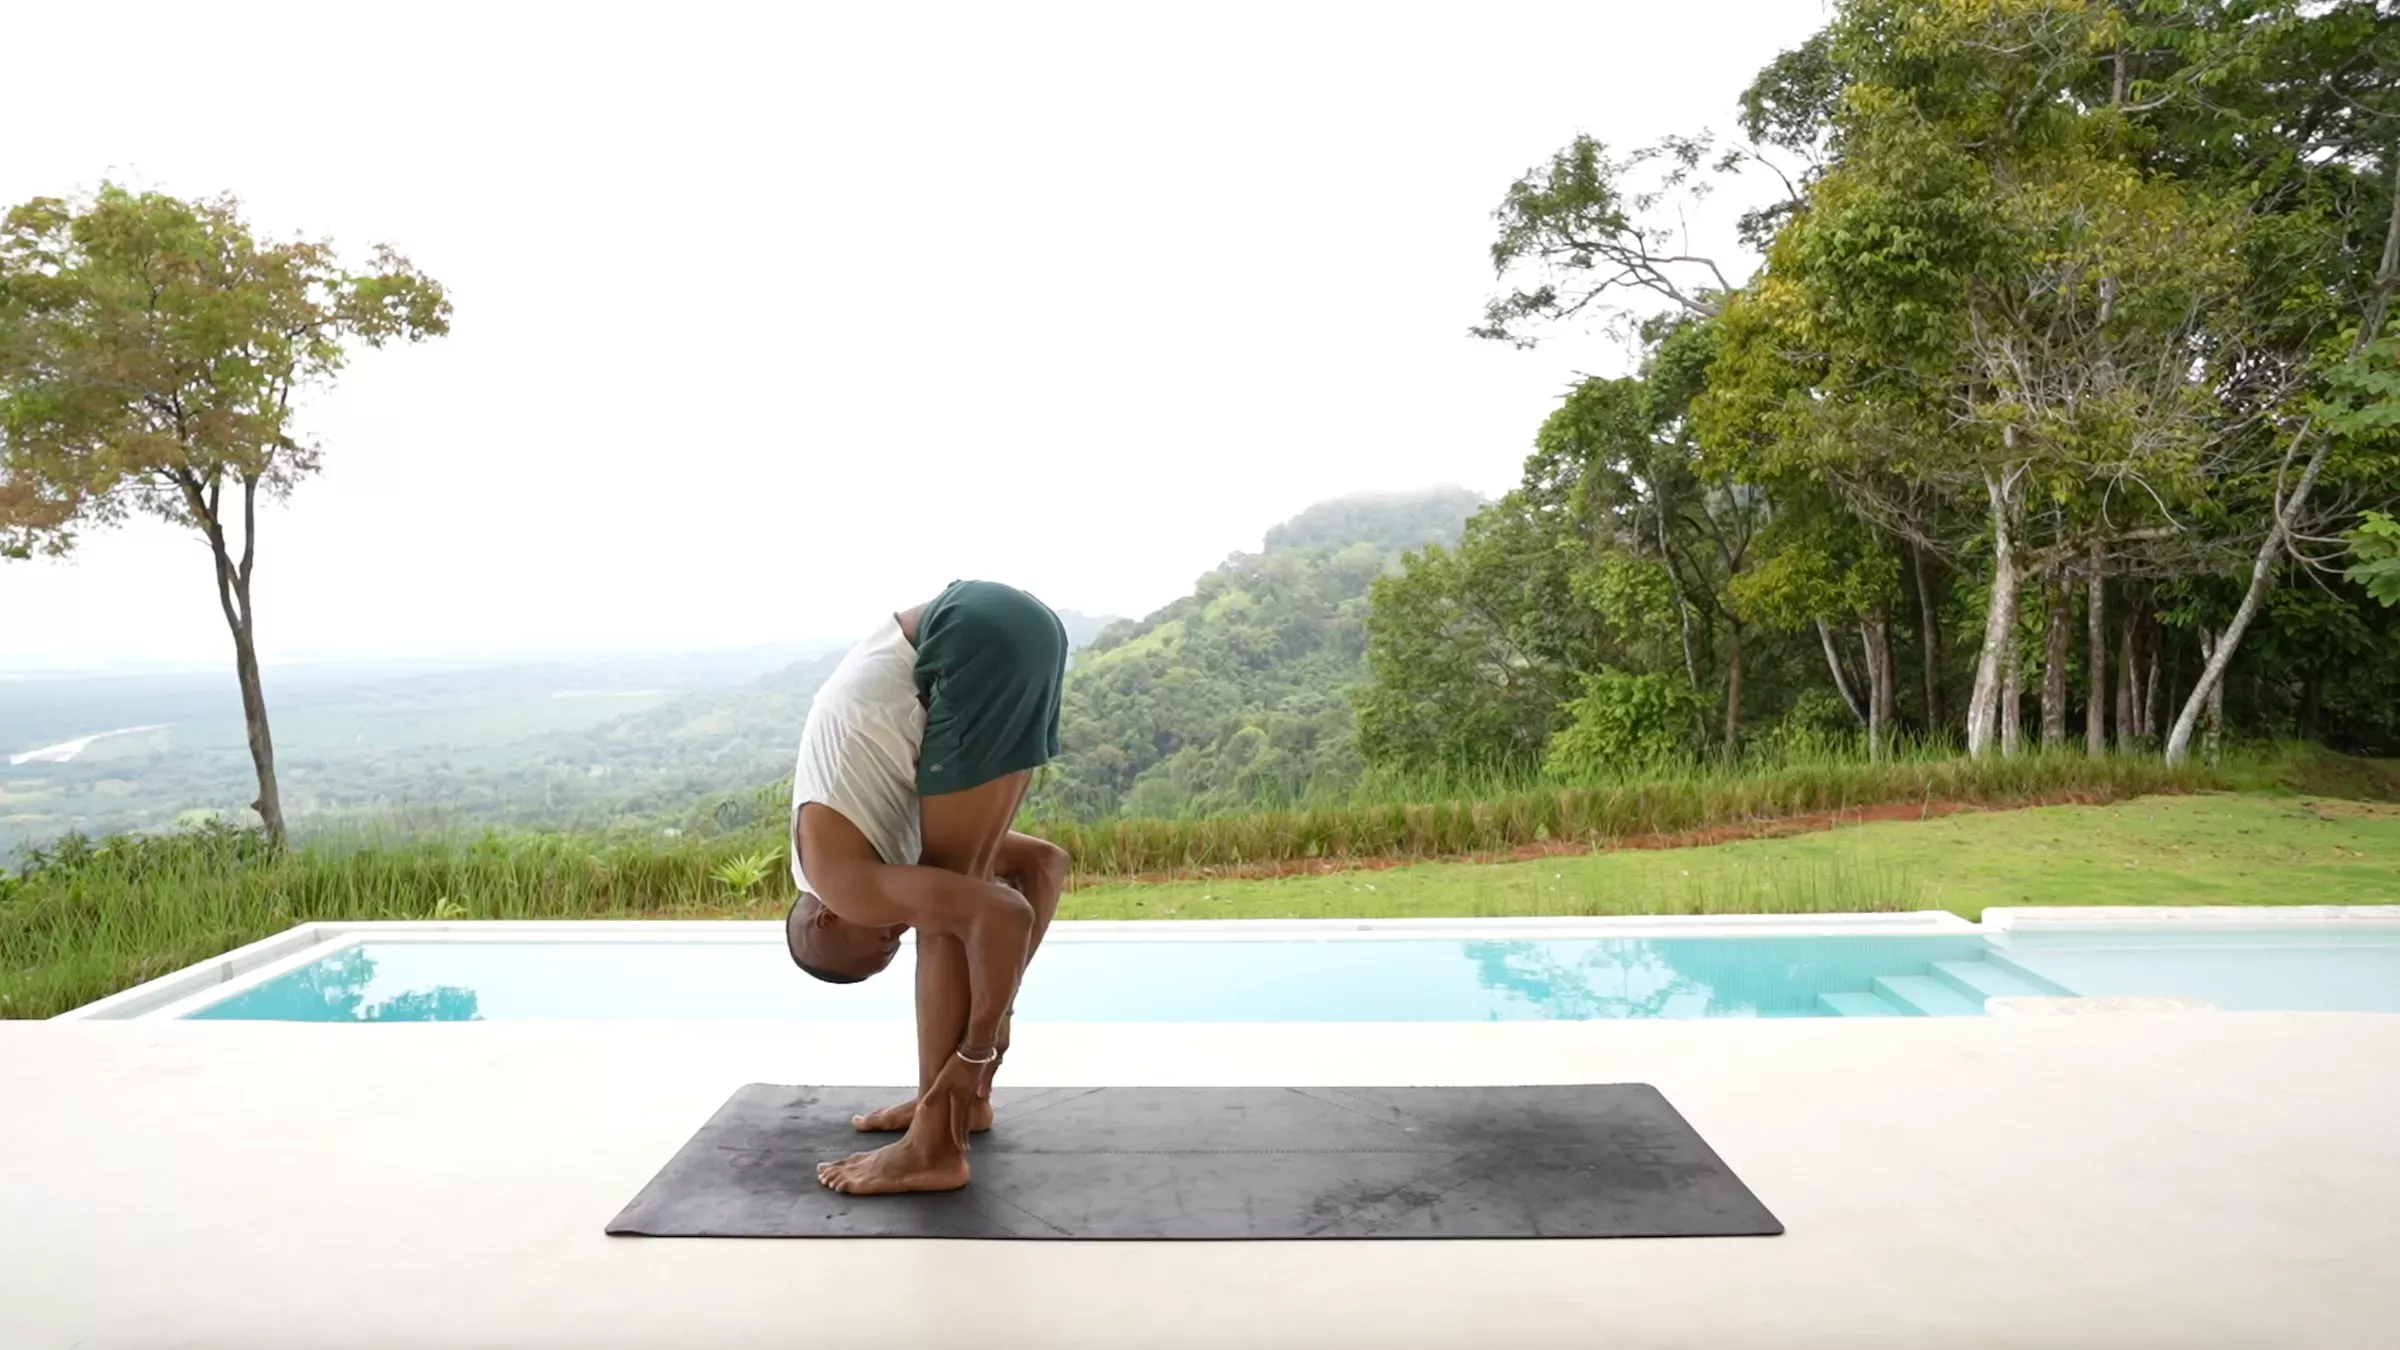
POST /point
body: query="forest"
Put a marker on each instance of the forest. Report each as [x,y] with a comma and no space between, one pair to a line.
[2061,409]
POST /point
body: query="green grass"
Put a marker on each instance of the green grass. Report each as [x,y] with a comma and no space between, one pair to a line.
[1694,798]
[2216,849]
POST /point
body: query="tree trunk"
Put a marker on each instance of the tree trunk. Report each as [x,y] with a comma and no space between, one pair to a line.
[2142,637]
[2287,511]
[233,596]
[2012,701]
[254,715]
[2095,701]
[2150,688]
[1841,682]
[1683,615]
[2128,730]
[1929,642]
[2054,669]
[1876,633]
[1683,606]
[1883,675]
[2208,647]
[2216,717]
[1733,690]
[1999,626]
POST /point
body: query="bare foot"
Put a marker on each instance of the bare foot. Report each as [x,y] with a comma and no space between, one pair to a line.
[895,1168]
[895,1118]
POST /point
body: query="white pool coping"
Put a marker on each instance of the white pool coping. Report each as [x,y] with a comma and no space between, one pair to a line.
[178,993]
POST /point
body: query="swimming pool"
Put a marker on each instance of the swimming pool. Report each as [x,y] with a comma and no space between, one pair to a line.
[1831,966]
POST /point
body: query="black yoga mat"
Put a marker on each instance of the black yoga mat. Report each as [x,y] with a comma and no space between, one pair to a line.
[1129,1163]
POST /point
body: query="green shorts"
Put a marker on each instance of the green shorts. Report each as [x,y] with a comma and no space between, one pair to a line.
[990,662]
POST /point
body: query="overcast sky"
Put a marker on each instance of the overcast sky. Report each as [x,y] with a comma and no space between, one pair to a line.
[772,320]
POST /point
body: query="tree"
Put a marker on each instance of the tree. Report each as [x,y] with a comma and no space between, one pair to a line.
[1473,652]
[1990,300]
[1822,568]
[1577,234]
[1653,537]
[151,351]
[2376,546]
[2337,421]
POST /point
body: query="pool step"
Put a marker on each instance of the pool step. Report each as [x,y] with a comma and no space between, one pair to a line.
[2042,984]
[1857,1005]
[1979,980]
[1685,1005]
[1948,989]
[1925,996]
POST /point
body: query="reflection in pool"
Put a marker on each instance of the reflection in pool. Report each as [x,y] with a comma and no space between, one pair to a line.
[336,990]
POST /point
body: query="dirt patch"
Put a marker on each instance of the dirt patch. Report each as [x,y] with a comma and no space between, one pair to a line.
[2327,808]
[1773,828]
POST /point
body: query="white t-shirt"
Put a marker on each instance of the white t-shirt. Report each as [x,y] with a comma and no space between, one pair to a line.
[858,751]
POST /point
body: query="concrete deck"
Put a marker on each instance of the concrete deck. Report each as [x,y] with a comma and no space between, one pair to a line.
[2195,1179]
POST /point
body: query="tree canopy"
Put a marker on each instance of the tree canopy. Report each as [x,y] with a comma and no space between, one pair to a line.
[2065,316]
[152,354]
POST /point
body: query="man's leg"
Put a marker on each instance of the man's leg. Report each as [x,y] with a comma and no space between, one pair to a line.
[932,1155]
[967,832]
[942,997]
[1037,869]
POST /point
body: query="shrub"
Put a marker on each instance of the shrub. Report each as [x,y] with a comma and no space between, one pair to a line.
[1626,722]
[1818,725]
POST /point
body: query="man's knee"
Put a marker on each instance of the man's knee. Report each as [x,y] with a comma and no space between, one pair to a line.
[963,831]
[1034,866]
[1052,864]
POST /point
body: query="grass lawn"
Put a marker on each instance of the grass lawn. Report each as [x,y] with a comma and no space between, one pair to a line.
[2213,849]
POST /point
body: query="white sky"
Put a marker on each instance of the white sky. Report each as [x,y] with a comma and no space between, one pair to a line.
[770,320]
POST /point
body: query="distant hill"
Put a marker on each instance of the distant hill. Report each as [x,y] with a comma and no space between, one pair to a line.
[554,741]
[1083,628]
[1395,522]
[1238,692]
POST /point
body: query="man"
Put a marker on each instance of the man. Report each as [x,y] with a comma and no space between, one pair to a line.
[914,760]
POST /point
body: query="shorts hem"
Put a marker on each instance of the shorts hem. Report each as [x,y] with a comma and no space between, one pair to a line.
[999,769]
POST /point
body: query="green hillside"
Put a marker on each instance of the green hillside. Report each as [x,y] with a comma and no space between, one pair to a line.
[1239,692]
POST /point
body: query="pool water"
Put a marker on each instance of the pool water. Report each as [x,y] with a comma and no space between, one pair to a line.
[1347,979]
[2293,971]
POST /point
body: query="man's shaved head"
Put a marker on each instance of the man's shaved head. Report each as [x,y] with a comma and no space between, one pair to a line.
[832,948]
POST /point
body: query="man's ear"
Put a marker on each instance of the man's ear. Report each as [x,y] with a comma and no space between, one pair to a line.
[823,918]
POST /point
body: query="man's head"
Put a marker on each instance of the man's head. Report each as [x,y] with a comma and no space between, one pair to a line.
[834,949]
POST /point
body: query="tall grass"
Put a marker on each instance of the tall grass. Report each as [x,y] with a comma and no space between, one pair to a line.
[1851,882]
[1668,802]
